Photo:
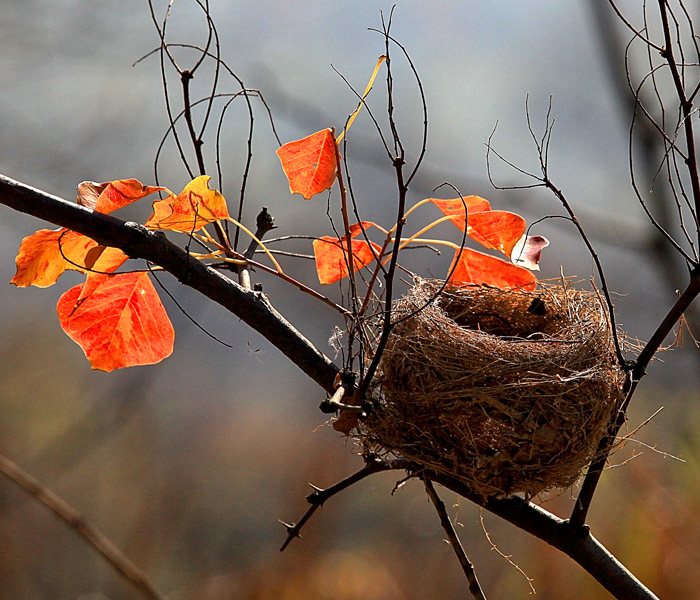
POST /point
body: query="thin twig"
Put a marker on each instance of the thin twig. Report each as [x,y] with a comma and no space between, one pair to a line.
[467,566]
[686,107]
[319,496]
[348,255]
[77,522]
[543,180]
[398,162]
[590,483]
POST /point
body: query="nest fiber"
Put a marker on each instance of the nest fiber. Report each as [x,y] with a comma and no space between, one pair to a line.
[506,390]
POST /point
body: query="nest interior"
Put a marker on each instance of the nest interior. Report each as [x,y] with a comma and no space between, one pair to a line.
[506,390]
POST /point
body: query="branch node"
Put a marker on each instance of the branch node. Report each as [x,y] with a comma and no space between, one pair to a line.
[317,497]
[581,531]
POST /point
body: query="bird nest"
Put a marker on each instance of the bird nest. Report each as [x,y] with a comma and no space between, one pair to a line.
[506,390]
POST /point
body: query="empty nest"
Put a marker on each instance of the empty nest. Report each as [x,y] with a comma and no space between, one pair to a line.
[506,390]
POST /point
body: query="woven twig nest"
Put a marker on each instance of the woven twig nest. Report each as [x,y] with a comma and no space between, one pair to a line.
[508,391]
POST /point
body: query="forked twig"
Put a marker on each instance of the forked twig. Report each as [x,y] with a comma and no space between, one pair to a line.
[373,465]
[543,180]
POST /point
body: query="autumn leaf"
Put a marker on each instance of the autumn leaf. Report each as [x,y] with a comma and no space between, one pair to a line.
[455,207]
[112,195]
[196,206]
[496,229]
[476,268]
[309,164]
[332,256]
[528,250]
[118,321]
[46,254]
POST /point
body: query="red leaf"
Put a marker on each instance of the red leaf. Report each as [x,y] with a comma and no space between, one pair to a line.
[309,164]
[455,206]
[528,250]
[118,321]
[477,268]
[112,195]
[196,206]
[46,254]
[332,256]
[496,229]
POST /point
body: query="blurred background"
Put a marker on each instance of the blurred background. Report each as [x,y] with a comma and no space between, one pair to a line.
[187,465]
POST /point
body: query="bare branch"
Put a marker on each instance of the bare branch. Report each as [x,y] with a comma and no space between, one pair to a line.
[686,107]
[575,542]
[319,496]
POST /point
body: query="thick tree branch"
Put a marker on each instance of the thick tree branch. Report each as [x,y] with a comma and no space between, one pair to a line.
[138,242]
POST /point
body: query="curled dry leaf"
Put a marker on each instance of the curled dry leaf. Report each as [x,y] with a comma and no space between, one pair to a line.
[113,195]
[527,251]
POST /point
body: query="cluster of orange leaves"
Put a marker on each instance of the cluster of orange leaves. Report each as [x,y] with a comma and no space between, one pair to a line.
[311,166]
[118,319]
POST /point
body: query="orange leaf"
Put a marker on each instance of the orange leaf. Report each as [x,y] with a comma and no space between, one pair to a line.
[496,229]
[118,322]
[309,164]
[46,254]
[358,228]
[332,256]
[196,206]
[477,268]
[455,206]
[112,195]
